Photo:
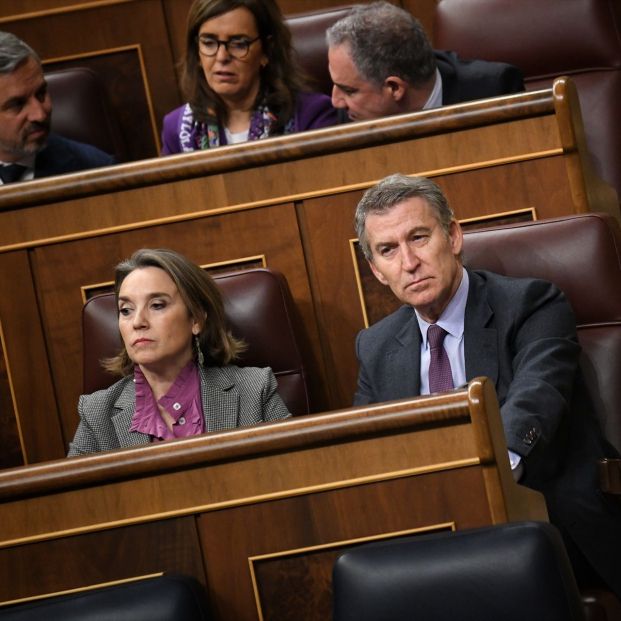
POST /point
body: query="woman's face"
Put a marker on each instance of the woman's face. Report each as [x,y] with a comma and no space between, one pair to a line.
[235,80]
[155,323]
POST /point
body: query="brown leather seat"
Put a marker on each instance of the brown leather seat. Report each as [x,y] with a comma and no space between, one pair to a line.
[308,37]
[578,38]
[81,111]
[259,309]
[582,255]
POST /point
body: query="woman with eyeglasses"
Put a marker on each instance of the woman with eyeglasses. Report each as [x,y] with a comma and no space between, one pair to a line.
[240,80]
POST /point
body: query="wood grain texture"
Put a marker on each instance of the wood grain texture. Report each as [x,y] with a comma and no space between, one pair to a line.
[290,199]
[265,509]
[95,558]
[33,427]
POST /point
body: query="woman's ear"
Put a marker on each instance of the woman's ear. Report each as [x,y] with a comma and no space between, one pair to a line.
[198,325]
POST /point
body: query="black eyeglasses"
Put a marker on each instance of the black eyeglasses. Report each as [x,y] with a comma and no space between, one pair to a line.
[236,47]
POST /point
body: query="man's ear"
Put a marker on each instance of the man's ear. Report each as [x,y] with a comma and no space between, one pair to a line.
[396,87]
[456,237]
[377,273]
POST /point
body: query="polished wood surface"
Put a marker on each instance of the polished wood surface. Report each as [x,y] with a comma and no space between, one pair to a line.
[290,200]
[264,509]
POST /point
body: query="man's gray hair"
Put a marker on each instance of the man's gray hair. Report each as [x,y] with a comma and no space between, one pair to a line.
[393,190]
[385,40]
[13,52]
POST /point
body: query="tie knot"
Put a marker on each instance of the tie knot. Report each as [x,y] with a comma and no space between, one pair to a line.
[11,173]
[435,336]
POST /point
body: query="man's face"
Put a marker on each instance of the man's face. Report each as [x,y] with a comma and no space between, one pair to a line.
[414,257]
[363,100]
[25,111]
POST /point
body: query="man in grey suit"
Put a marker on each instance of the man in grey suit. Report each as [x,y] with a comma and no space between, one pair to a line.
[381,63]
[518,332]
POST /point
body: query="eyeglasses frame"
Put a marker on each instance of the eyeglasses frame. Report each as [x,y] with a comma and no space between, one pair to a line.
[226,44]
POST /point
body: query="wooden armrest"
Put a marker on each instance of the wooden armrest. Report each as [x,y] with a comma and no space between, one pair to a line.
[610,475]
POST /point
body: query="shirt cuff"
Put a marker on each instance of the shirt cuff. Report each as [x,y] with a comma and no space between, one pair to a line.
[514,460]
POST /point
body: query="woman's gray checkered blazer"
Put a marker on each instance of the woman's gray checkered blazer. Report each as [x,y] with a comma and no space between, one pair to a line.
[232,397]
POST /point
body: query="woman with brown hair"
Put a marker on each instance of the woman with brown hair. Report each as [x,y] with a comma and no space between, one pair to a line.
[240,80]
[178,380]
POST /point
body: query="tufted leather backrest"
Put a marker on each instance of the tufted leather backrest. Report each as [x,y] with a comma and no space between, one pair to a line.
[577,38]
[80,110]
[308,34]
[509,571]
[259,309]
[581,255]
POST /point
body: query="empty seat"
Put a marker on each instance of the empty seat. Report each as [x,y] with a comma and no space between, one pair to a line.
[508,572]
[577,38]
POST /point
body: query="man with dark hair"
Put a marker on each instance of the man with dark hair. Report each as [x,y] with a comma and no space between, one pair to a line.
[27,148]
[382,63]
[457,324]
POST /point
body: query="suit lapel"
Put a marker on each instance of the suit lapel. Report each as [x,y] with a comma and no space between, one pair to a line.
[402,370]
[125,407]
[220,400]
[480,341]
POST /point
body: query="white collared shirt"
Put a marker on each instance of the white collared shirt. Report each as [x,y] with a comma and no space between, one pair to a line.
[451,320]
[435,98]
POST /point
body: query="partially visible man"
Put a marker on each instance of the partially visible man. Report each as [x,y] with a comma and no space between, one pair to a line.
[520,333]
[381,63]
[27,148]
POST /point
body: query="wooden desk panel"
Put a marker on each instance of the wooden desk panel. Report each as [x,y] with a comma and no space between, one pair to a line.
[264,510]
[290,199]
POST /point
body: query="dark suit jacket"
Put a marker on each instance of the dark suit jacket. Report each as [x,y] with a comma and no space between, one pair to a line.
[466,80]
[521,334]
[231,397]
[62,155]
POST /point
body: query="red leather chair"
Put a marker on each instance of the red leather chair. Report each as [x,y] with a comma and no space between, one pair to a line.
[81,111]
[308,37]
[259,308]
[577,38]
[581,254]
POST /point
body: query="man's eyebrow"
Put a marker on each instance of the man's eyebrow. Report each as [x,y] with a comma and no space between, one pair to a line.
[344,87]
[12,101]
[420,229]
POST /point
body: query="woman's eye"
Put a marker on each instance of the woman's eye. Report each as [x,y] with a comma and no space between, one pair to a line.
[158,305]
[124,311]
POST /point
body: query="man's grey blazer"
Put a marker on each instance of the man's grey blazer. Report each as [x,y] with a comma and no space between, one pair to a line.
[231,397]
[521,333]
